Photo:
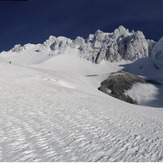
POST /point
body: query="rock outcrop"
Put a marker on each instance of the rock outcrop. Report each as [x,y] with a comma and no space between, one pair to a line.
[117,83]
[157,50]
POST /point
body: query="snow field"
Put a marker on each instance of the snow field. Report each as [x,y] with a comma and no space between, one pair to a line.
[42,120]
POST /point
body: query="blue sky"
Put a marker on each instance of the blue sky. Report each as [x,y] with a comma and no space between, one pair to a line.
[33,21]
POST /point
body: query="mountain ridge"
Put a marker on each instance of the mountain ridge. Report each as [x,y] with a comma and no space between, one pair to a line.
[121,44]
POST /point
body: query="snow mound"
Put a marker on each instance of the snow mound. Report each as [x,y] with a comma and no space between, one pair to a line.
[143,93]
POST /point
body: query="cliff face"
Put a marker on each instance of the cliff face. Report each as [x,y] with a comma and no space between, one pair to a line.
[121,44]
[157,50]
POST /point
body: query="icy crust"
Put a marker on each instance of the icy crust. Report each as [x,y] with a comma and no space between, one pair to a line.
[114,47]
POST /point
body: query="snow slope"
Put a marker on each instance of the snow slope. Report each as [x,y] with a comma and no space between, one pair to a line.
[45,116]
[25,55]
[147,94]
[51,109]
[70,61]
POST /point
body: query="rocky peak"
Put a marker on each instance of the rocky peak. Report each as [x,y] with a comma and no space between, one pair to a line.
[139,35]
[56,43]
[17,48]
[157,51]
[79,41]
[113,47]
[120,32]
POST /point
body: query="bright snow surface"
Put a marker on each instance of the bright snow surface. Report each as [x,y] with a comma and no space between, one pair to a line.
[144,93]
[49,112]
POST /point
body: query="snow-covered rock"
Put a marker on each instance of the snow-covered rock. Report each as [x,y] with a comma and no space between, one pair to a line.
[151,45]
[17,48]
[121,44]
[157,51]
[121,32]
[54,44]
[133,46]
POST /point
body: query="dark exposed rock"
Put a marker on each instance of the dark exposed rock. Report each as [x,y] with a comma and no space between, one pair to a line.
[117,83]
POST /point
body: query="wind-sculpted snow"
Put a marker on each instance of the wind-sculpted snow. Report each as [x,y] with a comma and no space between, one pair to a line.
[42,119]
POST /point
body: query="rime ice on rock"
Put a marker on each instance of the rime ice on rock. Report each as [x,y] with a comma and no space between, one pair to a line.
[119,45]
[158,49]
[17,48]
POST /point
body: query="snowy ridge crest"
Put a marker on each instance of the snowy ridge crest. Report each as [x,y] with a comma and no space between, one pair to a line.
[119,45]
[157,51]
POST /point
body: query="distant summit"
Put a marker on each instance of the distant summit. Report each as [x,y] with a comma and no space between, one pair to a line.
[121,44]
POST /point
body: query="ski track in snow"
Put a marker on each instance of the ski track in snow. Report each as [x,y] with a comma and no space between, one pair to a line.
[40,120]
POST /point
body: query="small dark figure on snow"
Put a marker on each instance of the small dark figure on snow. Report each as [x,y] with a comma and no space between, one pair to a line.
[9,62]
